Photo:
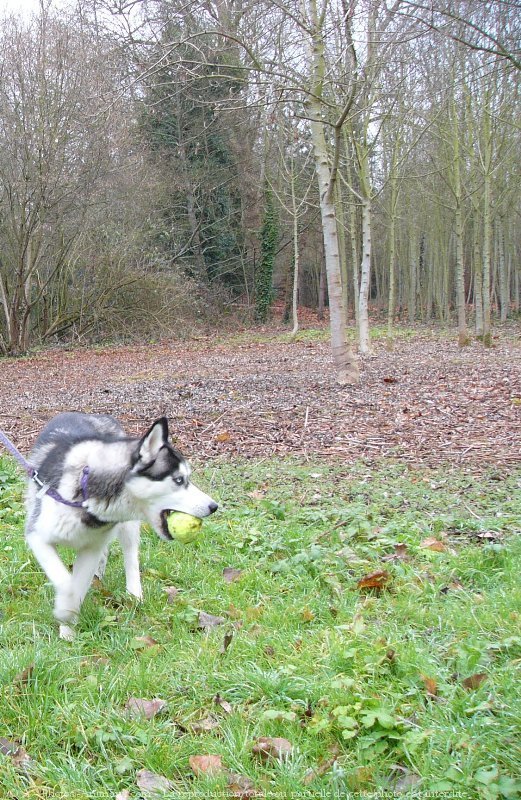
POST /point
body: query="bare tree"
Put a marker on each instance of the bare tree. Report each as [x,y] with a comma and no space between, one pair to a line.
[51,157]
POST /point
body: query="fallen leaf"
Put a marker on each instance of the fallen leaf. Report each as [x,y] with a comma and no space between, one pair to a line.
[431,543]
[206,621]
[139,707]
[453,586]
[206,765]
[405,780]
[226,642]
[224,704]
[7,748]
[318,771]
[94,660]
[142,642]
[24,676]
[171,593]
[400,553]
[151,782]
[240,786]
[374,580]
[267,747]
[205,725]
[231,574]
[17,754]
[223,437]
[254,612]
[359,777]
[474,681]
[234,612]
[431,687]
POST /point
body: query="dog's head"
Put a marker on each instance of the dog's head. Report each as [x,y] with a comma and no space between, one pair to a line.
[160,481]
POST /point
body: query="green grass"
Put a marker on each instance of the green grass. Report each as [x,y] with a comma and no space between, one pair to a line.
[340,672]
[320,334]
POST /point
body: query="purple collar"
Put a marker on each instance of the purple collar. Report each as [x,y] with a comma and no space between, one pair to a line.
[44,489]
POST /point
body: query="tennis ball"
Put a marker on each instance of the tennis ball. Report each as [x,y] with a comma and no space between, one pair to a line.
[183,527]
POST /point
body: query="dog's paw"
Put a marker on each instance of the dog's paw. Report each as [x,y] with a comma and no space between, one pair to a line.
[66,607]
[67,633]
[135,592]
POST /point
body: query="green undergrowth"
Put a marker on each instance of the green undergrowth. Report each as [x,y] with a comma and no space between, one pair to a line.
[408,686]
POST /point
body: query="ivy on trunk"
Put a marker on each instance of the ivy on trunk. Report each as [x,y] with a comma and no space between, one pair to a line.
[270,234]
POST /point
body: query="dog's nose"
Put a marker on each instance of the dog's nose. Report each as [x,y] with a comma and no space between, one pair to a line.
[213,507]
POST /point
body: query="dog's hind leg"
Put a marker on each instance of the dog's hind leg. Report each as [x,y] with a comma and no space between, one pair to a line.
[128,534]
[83,572]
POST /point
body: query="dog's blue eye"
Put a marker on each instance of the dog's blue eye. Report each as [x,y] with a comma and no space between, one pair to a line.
[179,481]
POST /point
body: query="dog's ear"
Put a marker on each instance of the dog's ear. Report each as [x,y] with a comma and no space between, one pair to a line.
[153,440]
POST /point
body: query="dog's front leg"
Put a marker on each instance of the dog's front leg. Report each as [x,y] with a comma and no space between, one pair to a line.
[128,534]
[58,575]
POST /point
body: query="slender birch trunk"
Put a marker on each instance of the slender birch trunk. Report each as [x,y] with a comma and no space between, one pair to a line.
[504,294]
[354,238]
[322,289]
[487,326]
[413,278]
[392,251]
[463,338]
[339,207]
[343,357]
[486,165]
[365,279]
[296,256]
[364,338]
[478,281]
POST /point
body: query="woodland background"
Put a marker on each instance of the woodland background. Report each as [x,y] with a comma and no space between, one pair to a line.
[165,165]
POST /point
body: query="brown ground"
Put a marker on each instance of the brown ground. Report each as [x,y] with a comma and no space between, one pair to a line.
[426,401]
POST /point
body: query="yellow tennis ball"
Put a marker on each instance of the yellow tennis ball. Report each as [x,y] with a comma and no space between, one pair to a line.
[183,527]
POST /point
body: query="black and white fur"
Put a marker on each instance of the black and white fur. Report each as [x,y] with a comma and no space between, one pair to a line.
[130,481]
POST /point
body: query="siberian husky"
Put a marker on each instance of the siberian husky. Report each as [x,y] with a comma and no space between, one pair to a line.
[123,481]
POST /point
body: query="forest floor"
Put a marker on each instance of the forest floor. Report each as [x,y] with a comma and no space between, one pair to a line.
[422,400]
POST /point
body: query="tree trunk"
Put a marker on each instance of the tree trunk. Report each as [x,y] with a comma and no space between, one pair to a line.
[504,294]
[343,357]
[339,208]
[392,253]
[365,279]
[296,258]
[463,338]
[322,288]
[413,279]
[353,233]
[487,327]
[200,271]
